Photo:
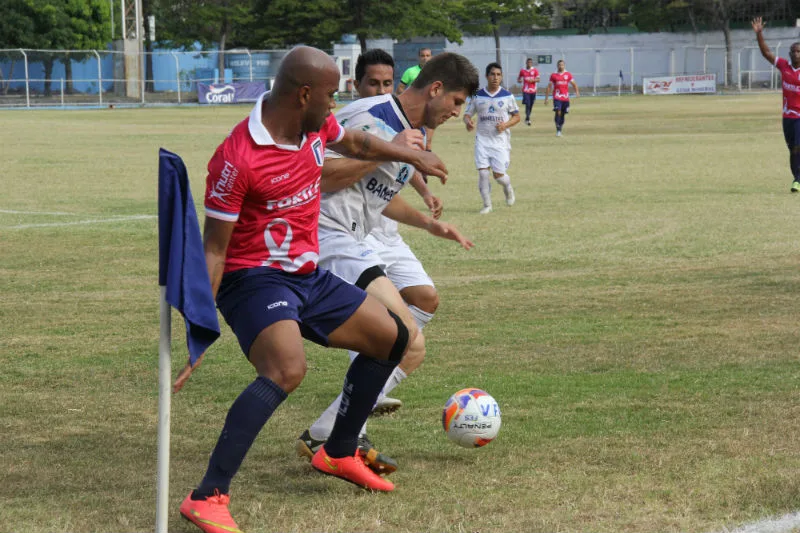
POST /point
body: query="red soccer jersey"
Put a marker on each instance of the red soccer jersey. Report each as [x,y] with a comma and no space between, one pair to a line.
[529,76]
[791,88]
[560,81]
[272,192]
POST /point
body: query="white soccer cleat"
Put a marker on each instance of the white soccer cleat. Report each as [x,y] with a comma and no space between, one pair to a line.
[510,198]
[386,405]
[486,210]
[558,133]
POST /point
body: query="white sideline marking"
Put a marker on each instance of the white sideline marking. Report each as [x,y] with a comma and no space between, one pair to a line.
[783,524]
[83,222]
[50,213]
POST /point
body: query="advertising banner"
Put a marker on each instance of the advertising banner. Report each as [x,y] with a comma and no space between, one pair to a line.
[700,83]
[229,93]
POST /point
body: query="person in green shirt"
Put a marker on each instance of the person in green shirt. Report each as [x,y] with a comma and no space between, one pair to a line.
[411,73]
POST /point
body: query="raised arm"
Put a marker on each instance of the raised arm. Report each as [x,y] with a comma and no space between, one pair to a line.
[361,145]
[758,27]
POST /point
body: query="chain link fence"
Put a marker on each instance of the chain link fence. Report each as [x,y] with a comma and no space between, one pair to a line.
[33,78]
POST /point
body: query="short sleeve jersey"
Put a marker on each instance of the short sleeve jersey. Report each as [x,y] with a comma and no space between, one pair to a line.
[791,88]
[357,209]
[272,192]
[560,81]
[529,76]
[410,75]
[490,110]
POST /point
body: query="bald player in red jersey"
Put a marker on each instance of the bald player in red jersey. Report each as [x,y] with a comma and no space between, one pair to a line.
[790,77]
[261,248]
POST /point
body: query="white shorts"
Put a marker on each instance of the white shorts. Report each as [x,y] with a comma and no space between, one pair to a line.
[496,158]
[348,258]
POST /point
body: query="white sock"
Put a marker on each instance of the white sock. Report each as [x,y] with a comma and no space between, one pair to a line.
[485,186]
[394,380]
[322,427]
[420,317]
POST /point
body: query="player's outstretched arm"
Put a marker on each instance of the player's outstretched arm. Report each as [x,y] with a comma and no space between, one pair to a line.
[433,202]
[401,211]
[758,27]
[361,145]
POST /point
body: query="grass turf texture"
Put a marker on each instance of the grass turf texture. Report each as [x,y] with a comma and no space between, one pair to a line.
[634,314]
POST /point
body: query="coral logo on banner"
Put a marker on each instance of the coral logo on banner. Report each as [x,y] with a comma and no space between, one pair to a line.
[224,94]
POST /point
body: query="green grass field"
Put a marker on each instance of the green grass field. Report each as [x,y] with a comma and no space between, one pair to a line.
[634,314]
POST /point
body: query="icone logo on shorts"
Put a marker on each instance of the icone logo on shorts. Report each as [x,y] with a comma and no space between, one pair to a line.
[221,95]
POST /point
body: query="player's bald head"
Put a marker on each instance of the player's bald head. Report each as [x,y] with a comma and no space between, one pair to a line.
[303,65]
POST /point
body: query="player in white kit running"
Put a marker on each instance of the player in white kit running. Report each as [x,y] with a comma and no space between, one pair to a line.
[497,111]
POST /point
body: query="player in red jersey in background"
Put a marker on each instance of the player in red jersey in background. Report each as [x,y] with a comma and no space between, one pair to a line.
[790,76]
[529,77]
[559,86]
[261,246]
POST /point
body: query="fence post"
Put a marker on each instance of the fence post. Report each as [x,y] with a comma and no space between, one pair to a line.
[672,62]
[99,77]
[596,70]
[177,75]
[62,92]
[250,61]
[772,77]
[632,70]
[705,58]
[27,81]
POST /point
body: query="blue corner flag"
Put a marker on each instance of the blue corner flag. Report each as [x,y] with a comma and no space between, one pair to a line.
[181,260]
[620,74]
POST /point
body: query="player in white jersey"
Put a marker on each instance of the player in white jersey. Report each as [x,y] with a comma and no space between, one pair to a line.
[349,216]
[497,111]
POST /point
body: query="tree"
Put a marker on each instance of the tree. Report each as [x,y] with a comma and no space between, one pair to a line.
[482,17]
[224,22]
[16,31]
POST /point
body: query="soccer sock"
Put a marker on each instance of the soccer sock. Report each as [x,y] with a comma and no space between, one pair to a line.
[794,162]
[528,109]
[485,186]
[248,414]
[504,180]
[321,428]
[364,380]
[420,317]
[394,380]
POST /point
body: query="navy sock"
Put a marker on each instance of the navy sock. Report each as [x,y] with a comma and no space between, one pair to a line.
[794,162]
[363,383]
[248,414]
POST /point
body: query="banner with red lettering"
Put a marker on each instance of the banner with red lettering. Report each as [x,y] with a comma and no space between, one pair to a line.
[693,84]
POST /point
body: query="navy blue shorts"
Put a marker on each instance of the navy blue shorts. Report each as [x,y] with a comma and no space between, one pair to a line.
[561,105]
[252,299]
[528,98]
[791,131]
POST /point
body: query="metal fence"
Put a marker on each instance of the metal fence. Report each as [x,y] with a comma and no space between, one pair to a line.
[31,78]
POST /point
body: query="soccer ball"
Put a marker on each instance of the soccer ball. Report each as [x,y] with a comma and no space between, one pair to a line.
[471,418]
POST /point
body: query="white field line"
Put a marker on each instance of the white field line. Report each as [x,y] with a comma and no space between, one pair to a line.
[783,524]
[82,222]
[49,213]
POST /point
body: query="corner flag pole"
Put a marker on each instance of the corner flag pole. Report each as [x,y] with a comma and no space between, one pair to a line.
[164,406]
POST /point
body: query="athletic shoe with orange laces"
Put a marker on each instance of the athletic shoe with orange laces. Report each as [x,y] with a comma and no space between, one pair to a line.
[350,469]
[211,515]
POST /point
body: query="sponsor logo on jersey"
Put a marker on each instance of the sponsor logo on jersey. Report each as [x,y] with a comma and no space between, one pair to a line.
[402,176]
[278,179]
[295,200]
[223,186]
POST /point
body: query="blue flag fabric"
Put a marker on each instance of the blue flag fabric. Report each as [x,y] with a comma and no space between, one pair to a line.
[620,74]
[181,260]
